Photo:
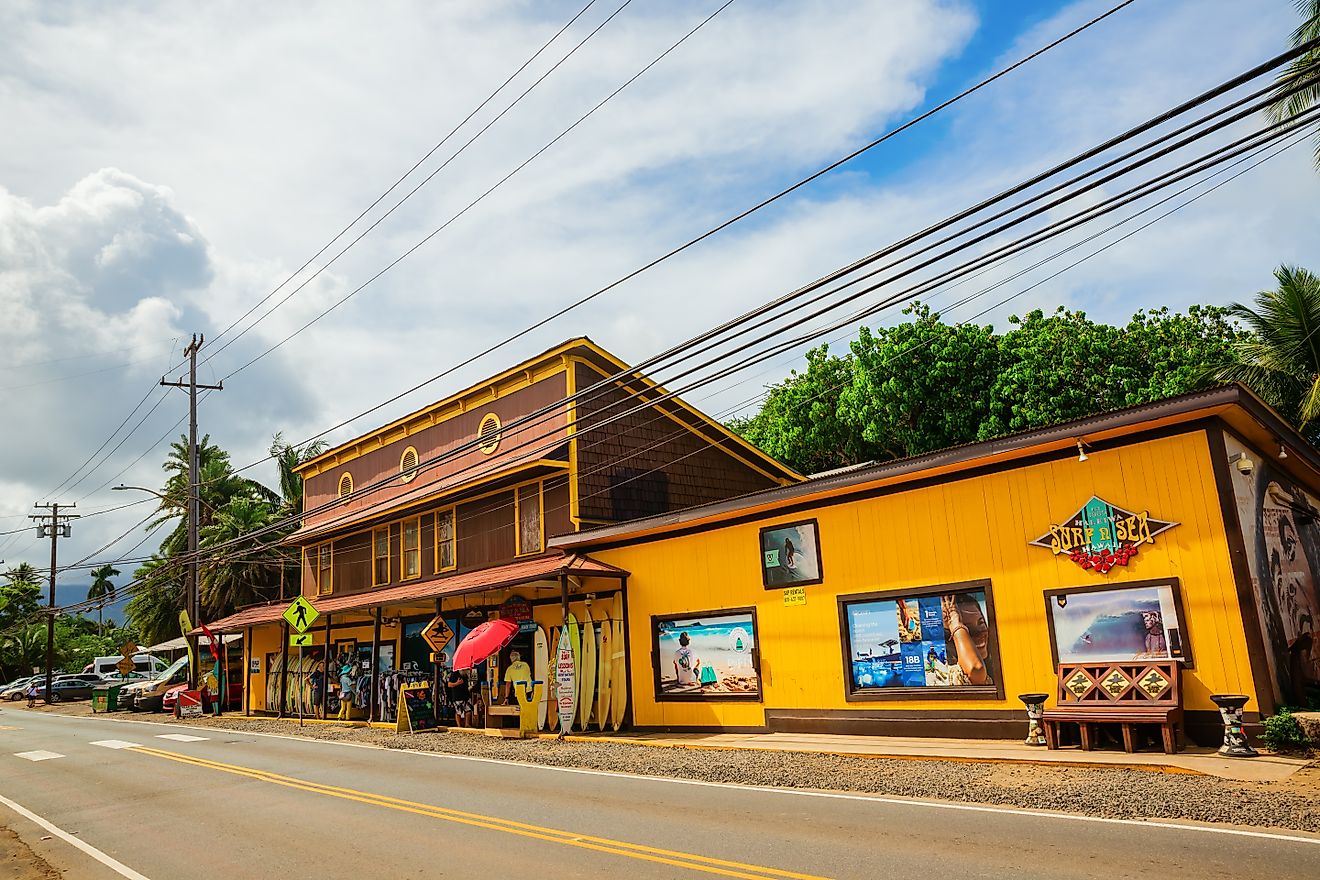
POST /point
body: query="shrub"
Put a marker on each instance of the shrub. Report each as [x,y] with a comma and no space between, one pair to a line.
[1283,732]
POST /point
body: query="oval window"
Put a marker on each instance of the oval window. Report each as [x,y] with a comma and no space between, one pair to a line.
[407,462]
[345,485]
[489,433]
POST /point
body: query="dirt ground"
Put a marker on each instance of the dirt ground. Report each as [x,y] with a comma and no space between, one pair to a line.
[19,862]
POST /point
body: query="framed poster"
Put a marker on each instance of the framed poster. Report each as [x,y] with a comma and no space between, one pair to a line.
[790,555]
[925,643]
[708,655]
[1117,623]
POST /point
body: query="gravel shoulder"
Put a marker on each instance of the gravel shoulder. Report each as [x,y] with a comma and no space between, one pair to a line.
[1114,793]
[18,861]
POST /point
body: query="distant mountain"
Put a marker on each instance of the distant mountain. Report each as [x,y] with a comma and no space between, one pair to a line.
[72,592]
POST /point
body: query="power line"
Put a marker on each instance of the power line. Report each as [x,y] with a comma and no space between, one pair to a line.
[415,166]
[730,221]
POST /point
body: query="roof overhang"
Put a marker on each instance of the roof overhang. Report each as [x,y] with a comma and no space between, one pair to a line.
[499,577]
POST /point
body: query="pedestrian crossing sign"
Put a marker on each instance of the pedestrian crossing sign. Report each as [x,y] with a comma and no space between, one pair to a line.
[301,614]
[300,640]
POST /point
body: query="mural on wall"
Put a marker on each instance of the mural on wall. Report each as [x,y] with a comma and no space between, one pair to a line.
[1101,535]
[1118,625]
[931,641]
[790,554]
[1281,532]
[707,657]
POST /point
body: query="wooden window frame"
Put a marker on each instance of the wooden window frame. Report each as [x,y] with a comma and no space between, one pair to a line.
[376,557]
[453,538]
[517,518]
[314,565]
[993,691]
[660,697]
[403,548]
[1174,585]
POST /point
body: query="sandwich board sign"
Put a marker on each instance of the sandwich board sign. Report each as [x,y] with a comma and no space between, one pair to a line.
[301,614]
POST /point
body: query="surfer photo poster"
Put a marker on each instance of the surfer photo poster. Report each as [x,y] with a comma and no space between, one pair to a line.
[917,644]
[790,555]
[1123,623]
[707,656]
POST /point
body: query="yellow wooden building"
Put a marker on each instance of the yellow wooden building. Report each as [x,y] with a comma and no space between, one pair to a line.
[923,596]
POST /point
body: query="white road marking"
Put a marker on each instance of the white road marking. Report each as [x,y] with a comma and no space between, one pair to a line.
[902,802]
[182,737]
[114,865]
[38,755]
[115,744]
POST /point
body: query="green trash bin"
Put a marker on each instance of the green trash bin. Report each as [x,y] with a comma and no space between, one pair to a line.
[105,697]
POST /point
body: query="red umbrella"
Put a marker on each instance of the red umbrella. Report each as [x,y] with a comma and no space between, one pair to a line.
[483,641]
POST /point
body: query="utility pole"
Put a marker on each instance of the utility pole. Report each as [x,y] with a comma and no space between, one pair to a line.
[57,525]
[191,602]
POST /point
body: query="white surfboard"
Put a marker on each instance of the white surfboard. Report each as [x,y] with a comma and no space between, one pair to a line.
[552,694]
[540,667]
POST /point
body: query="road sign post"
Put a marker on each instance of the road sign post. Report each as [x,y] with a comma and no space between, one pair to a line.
[300,615]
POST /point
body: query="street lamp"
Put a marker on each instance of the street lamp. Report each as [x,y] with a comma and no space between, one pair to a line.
[121,487]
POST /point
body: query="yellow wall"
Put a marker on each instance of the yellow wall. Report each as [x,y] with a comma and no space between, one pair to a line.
[975,528]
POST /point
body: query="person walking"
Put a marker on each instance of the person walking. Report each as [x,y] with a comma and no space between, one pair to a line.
[32,692]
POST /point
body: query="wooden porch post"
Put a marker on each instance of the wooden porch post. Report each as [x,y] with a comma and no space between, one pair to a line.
[284,669]
[375,667]
[325,687]
[247,672]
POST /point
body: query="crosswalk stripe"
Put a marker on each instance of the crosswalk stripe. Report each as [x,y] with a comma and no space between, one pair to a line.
[115,744]
[38,755]
[183,737]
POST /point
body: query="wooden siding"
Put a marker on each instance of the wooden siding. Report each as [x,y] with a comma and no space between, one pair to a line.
[649,463]
[961,530]
[467,467]
[485,531]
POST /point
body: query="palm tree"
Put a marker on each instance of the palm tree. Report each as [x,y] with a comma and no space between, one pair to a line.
[244,573]
[1304,68]
[25,648]
[288,457]
[1280,358]
[157,599]
[103,590]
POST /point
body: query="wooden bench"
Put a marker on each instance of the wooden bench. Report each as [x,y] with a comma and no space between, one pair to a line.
[1127,694]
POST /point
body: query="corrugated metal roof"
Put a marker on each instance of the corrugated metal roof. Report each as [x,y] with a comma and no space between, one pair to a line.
[513,573]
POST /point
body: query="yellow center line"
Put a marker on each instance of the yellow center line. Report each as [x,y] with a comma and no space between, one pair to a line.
[707,864]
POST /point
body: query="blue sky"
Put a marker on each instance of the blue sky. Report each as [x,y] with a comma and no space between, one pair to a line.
[167,167]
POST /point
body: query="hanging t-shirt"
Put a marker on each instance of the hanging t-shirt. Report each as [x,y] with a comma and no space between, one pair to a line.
[683,659]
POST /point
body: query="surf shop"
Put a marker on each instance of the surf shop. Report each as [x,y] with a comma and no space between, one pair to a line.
[1139,562]
[434,527]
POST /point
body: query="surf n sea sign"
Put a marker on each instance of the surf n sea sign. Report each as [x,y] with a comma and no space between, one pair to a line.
[1101,535]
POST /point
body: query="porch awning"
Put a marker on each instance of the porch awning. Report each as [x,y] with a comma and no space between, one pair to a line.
[512,574]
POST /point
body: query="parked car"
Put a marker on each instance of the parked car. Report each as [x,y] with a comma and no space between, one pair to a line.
[67,688]
[16,689]
[147,696]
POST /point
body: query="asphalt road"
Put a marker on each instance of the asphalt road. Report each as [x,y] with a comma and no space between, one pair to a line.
[242,805]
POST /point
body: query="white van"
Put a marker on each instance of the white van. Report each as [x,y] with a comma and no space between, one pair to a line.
[143,664]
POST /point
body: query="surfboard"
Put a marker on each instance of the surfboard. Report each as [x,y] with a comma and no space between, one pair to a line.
[575,636]
[552,702]
[540,667]
[587,694]
[619,688]
[605,666]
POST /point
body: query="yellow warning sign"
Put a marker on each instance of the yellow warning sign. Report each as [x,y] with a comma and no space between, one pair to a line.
[301,614]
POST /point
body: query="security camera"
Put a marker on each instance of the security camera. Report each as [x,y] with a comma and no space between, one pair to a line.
[1243,463]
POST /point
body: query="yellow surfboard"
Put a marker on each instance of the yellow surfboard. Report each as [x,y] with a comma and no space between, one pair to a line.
[619,667]
[587,690]
[604,664]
